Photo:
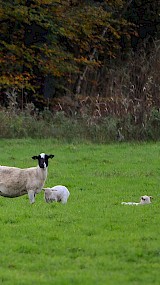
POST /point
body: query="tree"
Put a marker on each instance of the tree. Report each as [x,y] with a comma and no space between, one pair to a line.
[52,40]
[29,44]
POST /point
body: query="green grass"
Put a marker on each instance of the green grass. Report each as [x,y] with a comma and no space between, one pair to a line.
[93,239]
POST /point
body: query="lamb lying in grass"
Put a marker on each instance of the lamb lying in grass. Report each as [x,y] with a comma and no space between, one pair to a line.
[57,193]
[15,182]
[144,200]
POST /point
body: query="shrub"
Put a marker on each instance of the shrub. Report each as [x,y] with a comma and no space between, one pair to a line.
[78,128]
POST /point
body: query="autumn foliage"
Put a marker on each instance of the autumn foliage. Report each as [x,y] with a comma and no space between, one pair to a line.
[53,48]
[54,37]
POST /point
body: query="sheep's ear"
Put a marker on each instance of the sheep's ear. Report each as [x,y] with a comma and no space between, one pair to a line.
[151,197]
[35,157]
[50,155]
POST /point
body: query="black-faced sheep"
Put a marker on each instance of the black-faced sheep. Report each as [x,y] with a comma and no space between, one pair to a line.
[15,182]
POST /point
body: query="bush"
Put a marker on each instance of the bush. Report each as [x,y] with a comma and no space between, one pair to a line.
[78,128]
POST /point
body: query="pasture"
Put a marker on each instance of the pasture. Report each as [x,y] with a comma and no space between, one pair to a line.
[93,239]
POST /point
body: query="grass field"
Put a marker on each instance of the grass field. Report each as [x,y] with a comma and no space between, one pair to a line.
[93,239]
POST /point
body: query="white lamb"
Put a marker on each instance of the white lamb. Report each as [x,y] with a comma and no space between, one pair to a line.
[15,182]
[57,193]
[143,200]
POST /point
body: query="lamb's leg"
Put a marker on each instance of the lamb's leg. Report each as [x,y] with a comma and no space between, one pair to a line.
[63,200]
[31,196]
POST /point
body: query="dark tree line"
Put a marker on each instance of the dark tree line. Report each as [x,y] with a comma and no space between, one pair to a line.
[51,48]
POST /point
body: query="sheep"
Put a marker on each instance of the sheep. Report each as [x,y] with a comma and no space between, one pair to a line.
[57,193]
[15,182]
[143,200]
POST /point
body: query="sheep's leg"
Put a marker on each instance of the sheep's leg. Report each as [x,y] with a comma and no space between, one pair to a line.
[31,196]
[63,200]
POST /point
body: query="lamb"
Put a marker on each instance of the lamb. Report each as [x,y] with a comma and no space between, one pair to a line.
[57,193]
[143,200]
[15,182]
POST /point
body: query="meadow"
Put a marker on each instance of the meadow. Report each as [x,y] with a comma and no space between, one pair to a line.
[93,239]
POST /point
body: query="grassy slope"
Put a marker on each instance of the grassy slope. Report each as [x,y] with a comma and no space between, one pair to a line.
[93,239]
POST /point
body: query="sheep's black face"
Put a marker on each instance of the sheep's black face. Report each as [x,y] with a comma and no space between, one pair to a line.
[43,159]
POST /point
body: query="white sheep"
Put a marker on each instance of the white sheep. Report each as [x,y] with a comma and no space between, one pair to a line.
[143,200]
[15,182]
[57,193]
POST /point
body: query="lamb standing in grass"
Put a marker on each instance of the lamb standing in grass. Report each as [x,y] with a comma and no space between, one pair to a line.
[15,182]
[144,200]
[57,193]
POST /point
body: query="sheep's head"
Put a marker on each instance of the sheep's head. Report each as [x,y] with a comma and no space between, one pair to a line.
[42,159]
[146,199]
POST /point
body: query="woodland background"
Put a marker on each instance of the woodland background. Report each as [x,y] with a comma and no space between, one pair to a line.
[91,65]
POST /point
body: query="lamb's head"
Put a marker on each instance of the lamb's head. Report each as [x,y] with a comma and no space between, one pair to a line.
[146,199]
[49,195]
[43,159]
